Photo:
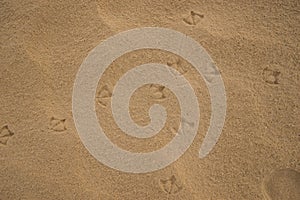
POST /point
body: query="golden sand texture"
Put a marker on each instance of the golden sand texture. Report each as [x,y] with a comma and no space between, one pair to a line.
[255,44]
[282,184]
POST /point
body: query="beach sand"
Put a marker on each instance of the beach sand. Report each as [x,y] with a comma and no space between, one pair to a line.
[254,44]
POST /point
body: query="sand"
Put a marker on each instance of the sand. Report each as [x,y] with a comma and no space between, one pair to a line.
[282,184]
[255,45]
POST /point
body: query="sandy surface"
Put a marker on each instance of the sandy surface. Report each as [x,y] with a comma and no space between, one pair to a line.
[254,44]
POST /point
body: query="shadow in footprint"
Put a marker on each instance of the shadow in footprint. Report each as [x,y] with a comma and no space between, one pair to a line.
[57,125]
[193,18]
[271,76]
[5,134]
[104,95]
[170,185]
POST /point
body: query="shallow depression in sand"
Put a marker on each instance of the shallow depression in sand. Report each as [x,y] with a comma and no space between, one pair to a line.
[282,184]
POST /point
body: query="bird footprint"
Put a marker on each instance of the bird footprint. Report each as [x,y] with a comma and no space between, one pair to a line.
[5,134]
[157,91]
[104,95]
[193,18]
[271,76]
[178,65]
[57,125]
[170,185]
